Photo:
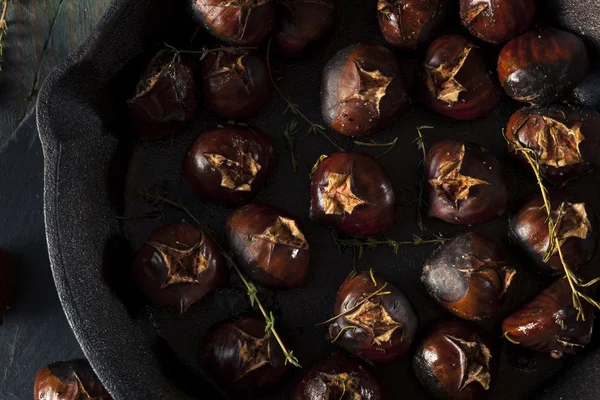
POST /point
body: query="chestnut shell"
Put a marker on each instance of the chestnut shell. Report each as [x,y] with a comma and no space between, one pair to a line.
[69,380]
[7,283]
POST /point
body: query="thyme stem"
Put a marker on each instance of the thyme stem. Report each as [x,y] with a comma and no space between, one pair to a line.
[360,303]
[3,28]
[371,243]
[421,203]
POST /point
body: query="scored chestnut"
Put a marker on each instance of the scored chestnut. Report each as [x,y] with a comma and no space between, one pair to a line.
[497,21]
[353,194]
[565,139]
[235,83]
[362,90]
[375,321]
[466,184]
[542,65]
[69,380]
[550,323]
[178,266]
[242,355]
[165,97]
[338,378]
[7,283]
[456,361]
[468,276]
[268,245]
[456,81]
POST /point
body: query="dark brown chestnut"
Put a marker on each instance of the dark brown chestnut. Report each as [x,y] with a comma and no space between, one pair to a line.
[542,65]
[410,23]
[549,323]
[69,380]
[468,276]
[456,361]
[375,320]
[229,165]
[240,22]
[268,245]
[165,97]
[497,21]
[241,355]
[353,194]
[566,139]
[178,265]
[340,379]
[456,81]
[362,90]
[235,83]
[7,283]
[466,184]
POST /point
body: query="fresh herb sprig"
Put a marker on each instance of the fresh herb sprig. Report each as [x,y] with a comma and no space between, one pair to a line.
[206,51]
[390,145]
[371,243]
[290,133]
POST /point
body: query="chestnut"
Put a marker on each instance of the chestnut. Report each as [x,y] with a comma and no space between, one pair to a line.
[497,21]
[165,97]
[456,81]
[178,266]
[242,355]
[468,276]
[338,378]
[268,245]
[229,165]
[466,183]
[375,321]
[300,23]
[69,380]
[235,83]
[577,232]
[362,90]
[353,194]
[240,22]
[7,283]
[456,361]
[408,24]
[566,139]
[542,65]
[549,323]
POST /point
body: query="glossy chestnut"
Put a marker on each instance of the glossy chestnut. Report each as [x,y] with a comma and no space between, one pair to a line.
[456,81]
[466,184]
[497,21]
[362,90]
[69,380]
[7,283]
[353,194]
[178,266]
[542,65]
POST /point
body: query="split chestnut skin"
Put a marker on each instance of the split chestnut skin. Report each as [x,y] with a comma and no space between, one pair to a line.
[497,21]
[69,380]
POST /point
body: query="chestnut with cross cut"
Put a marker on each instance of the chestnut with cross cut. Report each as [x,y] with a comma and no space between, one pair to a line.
[457,360]
[466,184]
[373,319]
[178,265]
[7,283]
[468,276]
[69,380]
[268,245]
[243,355]
[497,21]
[229,165]
[362,90]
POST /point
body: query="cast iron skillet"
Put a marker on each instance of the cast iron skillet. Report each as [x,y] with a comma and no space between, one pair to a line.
[93,169]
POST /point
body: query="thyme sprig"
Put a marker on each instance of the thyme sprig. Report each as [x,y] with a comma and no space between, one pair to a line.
[420,201]
[355,306]
[206,51]
[291,132]
[371,243]
[390,145]
[3,28]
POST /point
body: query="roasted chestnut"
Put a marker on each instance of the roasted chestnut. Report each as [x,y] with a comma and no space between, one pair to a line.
[576,231]
[466,183]
[468,276]
[411,23]
[235,83]
[542,65]
[7,283]
[550,323]
[229,165]
[338,378]
[456,81]
[178,265]
[456,361]
[352,193]
[300,23]
[69,380]
[165,97]
[268,245]
[497,21]
[242,355]
[241,22]
[362,90]
[375,321]
[565,139]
